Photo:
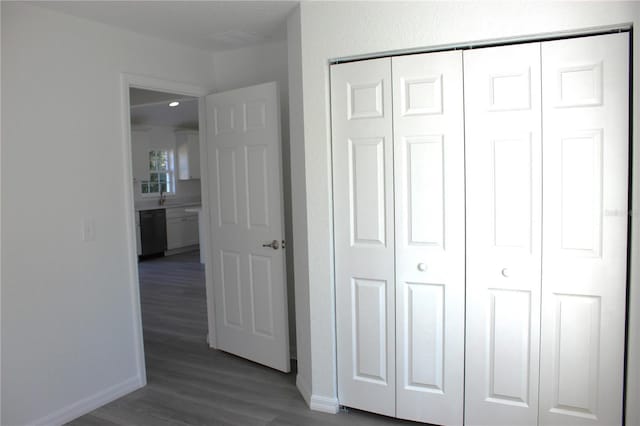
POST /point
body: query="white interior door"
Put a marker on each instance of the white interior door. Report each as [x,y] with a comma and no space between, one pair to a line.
[364,234]
[245,181]
[503,192]
[586,140]
[429,224]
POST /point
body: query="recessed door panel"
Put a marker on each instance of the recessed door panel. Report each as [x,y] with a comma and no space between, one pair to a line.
[224,119]
[512,182]
[255,115]
[581,192]
[421,95]
[367,197]
[576,356]
[231,288]
[424,351]
[509,337]
[510,90]
[365,100]
[579,85]
[586,145]
[370,333]
[257,178]
[425,180]
[261,291]
[227,186]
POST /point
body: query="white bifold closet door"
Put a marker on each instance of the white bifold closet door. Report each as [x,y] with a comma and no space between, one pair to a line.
[503,191]
[539,336]
[364,234]
[399,235]
[546,231]
[428,137]
[585,170]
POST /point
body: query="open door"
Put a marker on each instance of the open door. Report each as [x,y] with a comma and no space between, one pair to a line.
[247,224]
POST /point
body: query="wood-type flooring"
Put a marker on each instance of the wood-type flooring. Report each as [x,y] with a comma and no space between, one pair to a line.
[189,383]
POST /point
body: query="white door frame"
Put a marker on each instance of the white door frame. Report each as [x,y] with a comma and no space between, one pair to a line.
[151,83]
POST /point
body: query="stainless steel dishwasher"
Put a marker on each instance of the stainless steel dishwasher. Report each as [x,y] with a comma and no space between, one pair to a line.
[153,232]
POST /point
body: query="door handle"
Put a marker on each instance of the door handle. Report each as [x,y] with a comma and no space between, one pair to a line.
[273,244]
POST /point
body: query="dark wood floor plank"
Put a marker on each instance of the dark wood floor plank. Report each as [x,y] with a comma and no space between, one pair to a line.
[189,383]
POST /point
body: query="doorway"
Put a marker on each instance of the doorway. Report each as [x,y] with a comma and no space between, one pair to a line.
[155,188]
[165,161]
[144,190]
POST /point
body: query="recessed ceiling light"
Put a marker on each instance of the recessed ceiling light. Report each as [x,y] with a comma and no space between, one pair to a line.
[174,104]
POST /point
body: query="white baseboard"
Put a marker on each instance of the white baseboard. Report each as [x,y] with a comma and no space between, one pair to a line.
[316,402]
[304,389]
[90,403]
[324,404]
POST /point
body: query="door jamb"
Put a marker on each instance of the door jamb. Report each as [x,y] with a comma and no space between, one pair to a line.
[151,83]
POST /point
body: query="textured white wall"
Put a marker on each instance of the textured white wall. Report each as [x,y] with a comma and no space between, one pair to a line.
[337,29]
[67,316]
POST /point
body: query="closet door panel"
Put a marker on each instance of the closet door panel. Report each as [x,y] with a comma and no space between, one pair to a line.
[429,221]
[503,202]
[586,140]
[364,234]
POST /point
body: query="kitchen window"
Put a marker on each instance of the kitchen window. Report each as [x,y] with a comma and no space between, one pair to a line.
[161,175]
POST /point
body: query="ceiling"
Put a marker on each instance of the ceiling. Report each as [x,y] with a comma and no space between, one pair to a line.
[150,108]
[143,96]
[208,25]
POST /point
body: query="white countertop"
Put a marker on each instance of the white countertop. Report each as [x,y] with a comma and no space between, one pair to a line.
[152,205]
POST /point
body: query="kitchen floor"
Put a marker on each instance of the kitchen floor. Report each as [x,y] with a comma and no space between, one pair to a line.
[189,383]
[172,294]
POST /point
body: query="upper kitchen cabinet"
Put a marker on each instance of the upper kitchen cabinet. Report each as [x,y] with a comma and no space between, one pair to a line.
[188,149]
[140,140]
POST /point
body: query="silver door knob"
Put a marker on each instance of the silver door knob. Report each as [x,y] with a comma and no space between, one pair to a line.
[273,244]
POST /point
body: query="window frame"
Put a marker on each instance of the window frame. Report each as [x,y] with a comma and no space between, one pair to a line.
[169,172]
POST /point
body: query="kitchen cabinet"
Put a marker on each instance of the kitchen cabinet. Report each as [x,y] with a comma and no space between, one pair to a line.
[188,153]
[140,140]
[182,228]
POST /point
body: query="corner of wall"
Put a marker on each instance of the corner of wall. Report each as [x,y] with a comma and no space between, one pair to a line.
[316,402]
[304,388]
[299,205]
[90,403]
[324,404]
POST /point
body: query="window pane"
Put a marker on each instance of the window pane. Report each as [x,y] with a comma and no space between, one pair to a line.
[145,187]
[163,163]
[153,188]
[153,177]
[163,187]
[152,160]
